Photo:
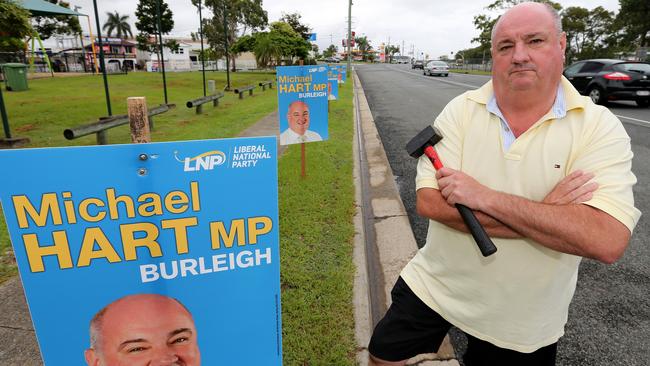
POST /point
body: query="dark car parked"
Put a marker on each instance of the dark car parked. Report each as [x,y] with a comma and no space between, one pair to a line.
[417,64]
[604,80]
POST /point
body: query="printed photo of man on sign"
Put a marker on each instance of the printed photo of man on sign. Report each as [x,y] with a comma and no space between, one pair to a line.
[149,254]
[302,103]
[333,83]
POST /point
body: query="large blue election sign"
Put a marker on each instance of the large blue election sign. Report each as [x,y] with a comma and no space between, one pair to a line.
[332,83]
[150,249]
[302,103]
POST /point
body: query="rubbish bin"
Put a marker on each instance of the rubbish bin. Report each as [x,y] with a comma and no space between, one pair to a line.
[15,76]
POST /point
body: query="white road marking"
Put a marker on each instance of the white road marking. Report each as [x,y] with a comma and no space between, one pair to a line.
[442,81]
[639,122]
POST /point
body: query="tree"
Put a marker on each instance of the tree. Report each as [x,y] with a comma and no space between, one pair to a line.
[119,24]
[330,51]
[293,20]
[390,51]
[634,18]
[364,46]
[267,52]
[147,26]
[240,17]
[14,26]
[588,32]
[314,49]
[50,25]
[280,42]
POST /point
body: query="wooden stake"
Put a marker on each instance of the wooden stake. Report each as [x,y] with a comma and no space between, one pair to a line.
[138,119]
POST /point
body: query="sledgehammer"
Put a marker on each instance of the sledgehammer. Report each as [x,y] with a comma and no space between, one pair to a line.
[423,143]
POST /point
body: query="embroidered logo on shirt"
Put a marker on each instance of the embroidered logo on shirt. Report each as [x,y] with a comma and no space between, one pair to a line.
[556,166]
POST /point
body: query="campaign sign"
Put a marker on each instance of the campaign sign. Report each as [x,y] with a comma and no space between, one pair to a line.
[332,83]
[130,252]
[343,70]
[302,103]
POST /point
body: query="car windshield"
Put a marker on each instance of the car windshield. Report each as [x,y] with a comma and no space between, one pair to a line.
[633,67]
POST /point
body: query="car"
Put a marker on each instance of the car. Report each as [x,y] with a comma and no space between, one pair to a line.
[332,59]
[417,64]
[436,67]
[605,80]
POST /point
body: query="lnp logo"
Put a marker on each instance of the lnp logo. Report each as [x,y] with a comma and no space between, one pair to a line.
[206,161]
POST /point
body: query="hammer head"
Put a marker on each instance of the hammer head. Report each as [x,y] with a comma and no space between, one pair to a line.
[428,136]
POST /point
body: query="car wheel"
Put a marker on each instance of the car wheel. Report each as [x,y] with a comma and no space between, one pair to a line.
[597,95]
[446,74]
[643,102]
[424,73]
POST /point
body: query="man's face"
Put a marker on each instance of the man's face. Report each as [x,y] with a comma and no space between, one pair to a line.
[527,52]
[298,117]
[146,330]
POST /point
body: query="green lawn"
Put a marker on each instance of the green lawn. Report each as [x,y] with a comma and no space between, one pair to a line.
[316,228]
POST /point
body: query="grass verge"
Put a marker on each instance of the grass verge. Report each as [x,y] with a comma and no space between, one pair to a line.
[316,238]
[471,72]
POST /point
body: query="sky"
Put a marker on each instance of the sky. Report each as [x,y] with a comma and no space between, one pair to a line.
[425,27]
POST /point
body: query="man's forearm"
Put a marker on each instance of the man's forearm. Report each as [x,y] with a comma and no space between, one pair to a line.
[575,229]
[432,205]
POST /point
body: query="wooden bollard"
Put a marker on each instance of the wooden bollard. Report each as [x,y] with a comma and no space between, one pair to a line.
[138,119]
[212,88]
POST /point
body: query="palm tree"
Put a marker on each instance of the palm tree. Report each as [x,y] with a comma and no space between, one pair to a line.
[119,24]
[266,51]
[364,46]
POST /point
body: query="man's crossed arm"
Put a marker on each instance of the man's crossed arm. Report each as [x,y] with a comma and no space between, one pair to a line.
[559,222]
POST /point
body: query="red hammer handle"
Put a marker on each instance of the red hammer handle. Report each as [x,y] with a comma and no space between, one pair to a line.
[431,153]
[481,237]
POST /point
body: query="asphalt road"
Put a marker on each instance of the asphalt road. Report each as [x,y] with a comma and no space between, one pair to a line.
[609,318]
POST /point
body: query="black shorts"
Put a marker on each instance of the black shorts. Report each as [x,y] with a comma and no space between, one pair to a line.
[410,328]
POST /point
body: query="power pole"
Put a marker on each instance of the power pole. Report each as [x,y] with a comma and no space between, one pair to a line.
[349,36]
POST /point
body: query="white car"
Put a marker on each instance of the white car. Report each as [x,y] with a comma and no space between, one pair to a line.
[436,67]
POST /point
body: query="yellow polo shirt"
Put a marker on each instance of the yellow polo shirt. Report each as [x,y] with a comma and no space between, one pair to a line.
[519,297]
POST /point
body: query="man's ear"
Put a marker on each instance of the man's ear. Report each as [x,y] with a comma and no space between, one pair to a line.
[91,357]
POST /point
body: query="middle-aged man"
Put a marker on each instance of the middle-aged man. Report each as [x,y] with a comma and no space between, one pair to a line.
[547,172]
[298,131]
[143,330]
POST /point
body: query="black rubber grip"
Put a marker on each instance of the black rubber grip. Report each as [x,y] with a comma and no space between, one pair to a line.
[482,239]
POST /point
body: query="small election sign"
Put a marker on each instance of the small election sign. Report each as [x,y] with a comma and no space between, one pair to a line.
[130,252]
[332,83]
[302,103]
[343,71]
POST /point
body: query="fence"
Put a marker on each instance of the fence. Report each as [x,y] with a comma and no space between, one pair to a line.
[474,64]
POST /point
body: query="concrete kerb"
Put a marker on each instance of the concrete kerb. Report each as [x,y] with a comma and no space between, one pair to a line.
[394,238]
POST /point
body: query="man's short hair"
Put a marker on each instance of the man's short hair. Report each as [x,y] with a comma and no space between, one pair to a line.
[557,21]
[97,320]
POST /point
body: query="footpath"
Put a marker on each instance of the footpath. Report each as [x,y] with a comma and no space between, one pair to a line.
[389,224]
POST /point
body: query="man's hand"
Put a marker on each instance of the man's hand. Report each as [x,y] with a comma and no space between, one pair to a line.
[573,189]
[458,187]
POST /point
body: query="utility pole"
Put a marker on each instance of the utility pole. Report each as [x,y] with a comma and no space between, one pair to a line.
[225,30]
[349,36]
[162,48]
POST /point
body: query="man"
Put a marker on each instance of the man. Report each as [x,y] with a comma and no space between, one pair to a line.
[298,131]
[548,174]
[143,329]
